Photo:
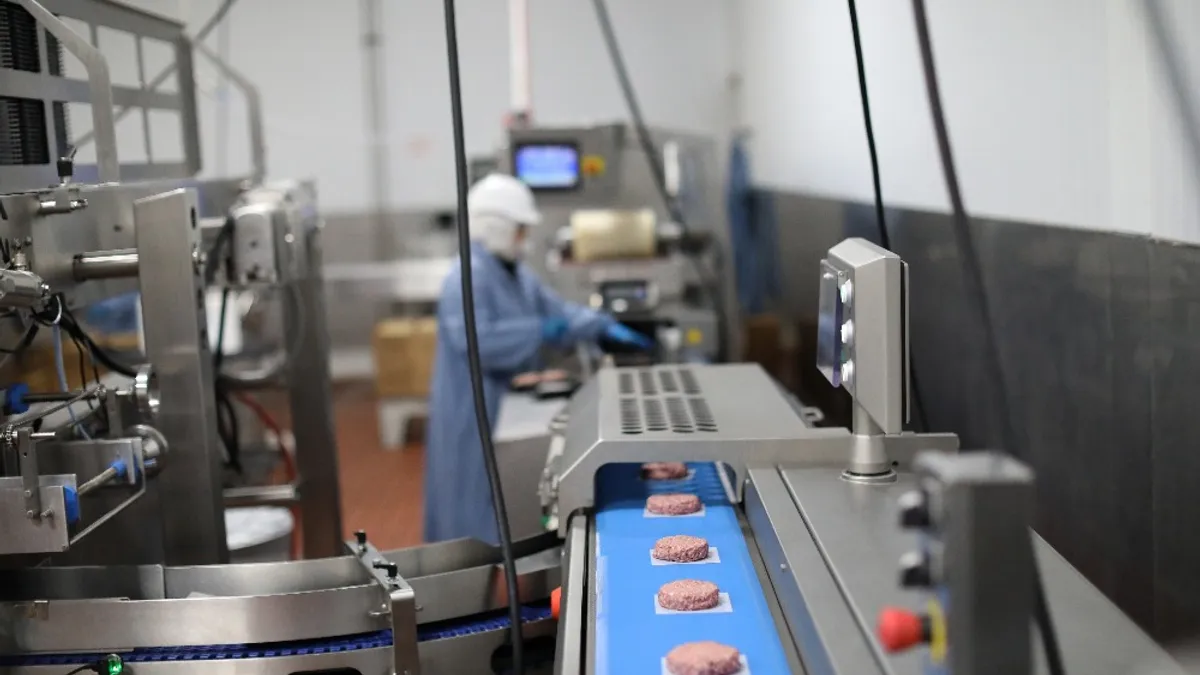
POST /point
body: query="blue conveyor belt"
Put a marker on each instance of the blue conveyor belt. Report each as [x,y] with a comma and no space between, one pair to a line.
[447,629]
[631,638]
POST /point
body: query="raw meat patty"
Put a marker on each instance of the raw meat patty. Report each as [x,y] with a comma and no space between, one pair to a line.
[554,375]
[681,548]
[689,595]
[664,470]
[673,504]
[526,380]
[704,658]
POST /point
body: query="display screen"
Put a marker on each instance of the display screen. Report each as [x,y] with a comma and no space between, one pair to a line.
[829,321]
[547,166]
[626,296]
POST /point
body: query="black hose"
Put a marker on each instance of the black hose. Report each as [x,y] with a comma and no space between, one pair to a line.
[476,367]
[658,173]
[71,325]
[885,239]
[978,295]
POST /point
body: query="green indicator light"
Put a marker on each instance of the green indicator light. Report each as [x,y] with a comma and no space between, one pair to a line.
[113,665]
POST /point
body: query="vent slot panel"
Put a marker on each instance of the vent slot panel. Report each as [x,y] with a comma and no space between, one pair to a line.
[702,415]
[690,386]
[625,384]
[681,421]
[631,416]
[667,379]
[23,138]
[656,420]
[649,388]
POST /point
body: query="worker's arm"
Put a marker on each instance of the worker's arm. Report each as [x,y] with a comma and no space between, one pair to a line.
[583,324]
[506,344]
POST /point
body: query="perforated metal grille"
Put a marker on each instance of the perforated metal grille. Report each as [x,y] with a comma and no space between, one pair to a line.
[23,138]
[655,420]
[702,414]
[631,416]
[646,377]
[625,383]
[666,399]
[690,386]
[667,379]
[681,421]
[18,39]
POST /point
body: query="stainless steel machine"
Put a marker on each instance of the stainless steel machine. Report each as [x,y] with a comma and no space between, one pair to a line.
[112,539]
[804,524]
[612,244]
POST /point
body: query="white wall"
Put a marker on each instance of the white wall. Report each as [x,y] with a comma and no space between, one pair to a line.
[308,63]
[1057,110]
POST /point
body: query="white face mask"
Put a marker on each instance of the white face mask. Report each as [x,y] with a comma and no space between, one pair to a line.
[513,251]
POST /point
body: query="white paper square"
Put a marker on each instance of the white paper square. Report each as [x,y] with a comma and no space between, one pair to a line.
[713,557]
[745,670]
[723,607]
[646,513]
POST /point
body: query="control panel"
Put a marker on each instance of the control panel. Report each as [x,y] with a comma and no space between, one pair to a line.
[974,564]
[631,296]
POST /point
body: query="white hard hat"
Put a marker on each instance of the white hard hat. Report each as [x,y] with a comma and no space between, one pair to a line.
[498,195]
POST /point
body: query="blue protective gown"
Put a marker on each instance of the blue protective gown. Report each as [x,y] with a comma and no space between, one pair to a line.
[509,312]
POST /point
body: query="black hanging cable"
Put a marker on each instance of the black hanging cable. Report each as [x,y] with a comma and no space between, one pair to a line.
[476,367]
[885,239]
[227,422]
[978,294]
[71,325]
[707,281]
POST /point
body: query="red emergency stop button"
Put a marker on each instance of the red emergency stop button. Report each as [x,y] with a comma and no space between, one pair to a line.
[900,629]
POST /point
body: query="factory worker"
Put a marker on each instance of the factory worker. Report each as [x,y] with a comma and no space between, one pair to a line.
[515,314]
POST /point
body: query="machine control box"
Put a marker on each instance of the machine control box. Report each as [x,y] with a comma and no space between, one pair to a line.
[974,561]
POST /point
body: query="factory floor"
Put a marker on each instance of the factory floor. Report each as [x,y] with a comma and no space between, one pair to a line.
[381,489]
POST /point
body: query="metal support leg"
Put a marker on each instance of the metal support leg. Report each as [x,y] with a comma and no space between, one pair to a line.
[193,518]
[311,393]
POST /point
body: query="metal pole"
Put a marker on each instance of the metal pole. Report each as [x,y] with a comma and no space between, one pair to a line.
[375,102]
[116,264]
[520,75]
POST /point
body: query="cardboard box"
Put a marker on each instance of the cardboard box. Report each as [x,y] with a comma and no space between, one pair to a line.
[404,349]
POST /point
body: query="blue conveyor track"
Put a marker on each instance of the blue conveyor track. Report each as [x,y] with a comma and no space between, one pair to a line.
[348,643]
[631,638]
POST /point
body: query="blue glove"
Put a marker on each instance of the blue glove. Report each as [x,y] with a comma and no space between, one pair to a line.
[554,330]
[620,333]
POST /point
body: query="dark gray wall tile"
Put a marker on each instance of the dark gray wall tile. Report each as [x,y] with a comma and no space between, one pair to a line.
[1175,307]
[1072,315]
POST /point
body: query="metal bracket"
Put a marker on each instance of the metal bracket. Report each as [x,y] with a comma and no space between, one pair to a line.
[139,473]
[402,607]
[99,85]
[27,456]
[112,406]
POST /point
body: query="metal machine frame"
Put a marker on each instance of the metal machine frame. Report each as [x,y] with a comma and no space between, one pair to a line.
[85,241]
[821,532]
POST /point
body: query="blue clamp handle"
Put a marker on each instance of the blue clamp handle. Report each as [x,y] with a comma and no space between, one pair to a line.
[71,502]
[14,399]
